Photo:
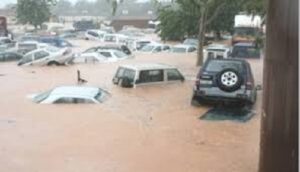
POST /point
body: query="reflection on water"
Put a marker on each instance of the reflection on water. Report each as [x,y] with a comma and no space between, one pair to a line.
[242,114]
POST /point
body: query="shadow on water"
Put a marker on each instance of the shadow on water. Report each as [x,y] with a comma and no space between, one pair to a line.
[222,113]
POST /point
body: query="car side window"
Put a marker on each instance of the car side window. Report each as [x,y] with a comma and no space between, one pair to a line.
[40,54]
[105,54]
[93,34]
[10,56]
[157,49]
[174,75]
[151,76]
[2,57]
[69,100]
[191,49]
[166,48]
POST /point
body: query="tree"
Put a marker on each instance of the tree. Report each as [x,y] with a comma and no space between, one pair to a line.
[34,12]
[62,7]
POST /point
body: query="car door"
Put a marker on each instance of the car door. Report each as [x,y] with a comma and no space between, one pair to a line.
[150,77]
[41,58]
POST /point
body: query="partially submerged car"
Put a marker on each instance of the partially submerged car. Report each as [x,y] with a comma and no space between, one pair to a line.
[155,48]
[10,56]
[119,47]
[218,51]
[101,56]
[191,41]
[225,80]
[47,56]
[96,35]
[55,41]
[27,46]
[71,95]
[134,75]
[245,50]
[115,38]
[182,48]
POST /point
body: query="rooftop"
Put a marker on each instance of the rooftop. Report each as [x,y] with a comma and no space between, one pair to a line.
[76,91]
[148,66]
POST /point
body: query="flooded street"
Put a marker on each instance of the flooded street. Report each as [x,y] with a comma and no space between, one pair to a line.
[147,129]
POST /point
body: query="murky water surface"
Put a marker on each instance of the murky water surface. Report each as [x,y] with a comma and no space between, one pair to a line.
[147,129]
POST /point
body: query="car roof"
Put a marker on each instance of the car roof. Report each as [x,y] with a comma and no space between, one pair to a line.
[183,46]
[76,91]
[148,66]
[244,44]
[230,59]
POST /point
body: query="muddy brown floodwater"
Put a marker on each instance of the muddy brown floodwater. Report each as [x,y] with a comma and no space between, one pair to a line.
[147,129]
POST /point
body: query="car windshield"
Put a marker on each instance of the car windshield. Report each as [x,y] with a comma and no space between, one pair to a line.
[178,50]
[219,65]
[120,54]
[99,96]
[40,97]
[148,48]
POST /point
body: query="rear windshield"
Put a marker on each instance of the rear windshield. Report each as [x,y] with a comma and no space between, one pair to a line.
[219,65]
[244,51]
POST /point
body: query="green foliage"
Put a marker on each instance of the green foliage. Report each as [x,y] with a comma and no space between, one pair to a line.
[224,21]
[34,12]
[175,25]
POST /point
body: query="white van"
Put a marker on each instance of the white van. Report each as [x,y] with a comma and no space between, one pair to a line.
[116,39]
[96,35]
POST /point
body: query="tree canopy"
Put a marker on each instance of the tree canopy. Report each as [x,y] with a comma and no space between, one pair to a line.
[34,12]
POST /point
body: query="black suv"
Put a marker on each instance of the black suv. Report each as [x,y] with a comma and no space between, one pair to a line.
[225,80]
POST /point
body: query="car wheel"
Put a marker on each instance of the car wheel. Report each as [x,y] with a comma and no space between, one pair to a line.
[229,80]
[53,63]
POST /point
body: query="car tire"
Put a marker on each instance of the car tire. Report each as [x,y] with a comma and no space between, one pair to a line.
[53,63]
[229,80]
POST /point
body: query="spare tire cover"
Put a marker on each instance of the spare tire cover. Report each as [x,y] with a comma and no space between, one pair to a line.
[229,80]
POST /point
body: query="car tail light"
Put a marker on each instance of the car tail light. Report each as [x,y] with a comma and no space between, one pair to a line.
[249,85]
[206,77]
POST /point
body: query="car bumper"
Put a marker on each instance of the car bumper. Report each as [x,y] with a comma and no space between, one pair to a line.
[216,94]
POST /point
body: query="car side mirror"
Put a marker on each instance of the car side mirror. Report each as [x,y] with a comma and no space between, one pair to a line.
[258,88]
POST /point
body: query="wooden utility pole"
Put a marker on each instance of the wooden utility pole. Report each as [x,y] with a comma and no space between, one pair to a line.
[279,132]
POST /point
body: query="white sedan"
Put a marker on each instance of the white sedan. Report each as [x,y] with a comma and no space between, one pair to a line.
[155,48]
[71,95]
[182,48]
[101,56]
[47,56]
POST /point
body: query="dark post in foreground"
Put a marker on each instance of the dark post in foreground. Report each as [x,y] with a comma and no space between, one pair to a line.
[279,132]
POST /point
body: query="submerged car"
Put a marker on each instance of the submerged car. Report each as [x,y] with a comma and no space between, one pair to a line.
[119,47]
[47,56]
[71,95]
[134,75]
[181,48]
[218,51]
[10,56]
[96,35]
[155,48]
[245,50]
[224,81]
[101,56]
